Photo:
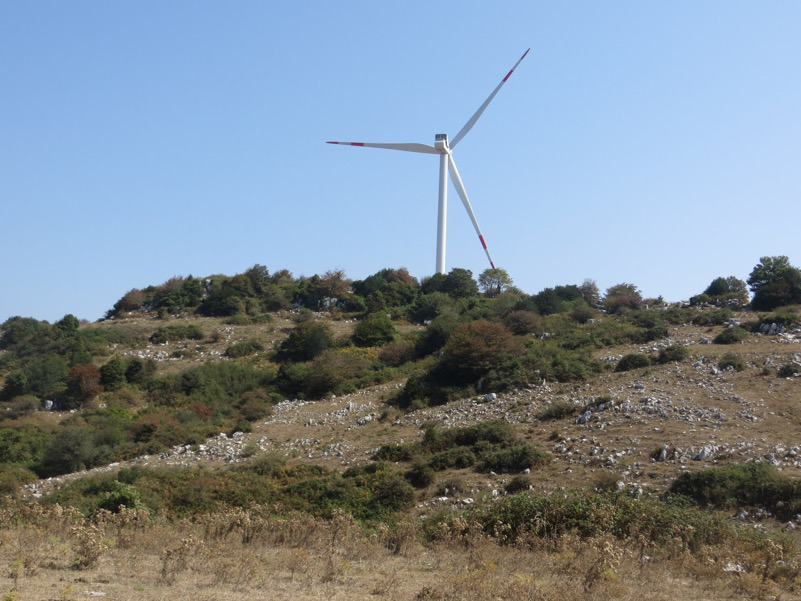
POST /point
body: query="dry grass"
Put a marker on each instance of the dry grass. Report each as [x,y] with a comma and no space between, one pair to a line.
[298,557]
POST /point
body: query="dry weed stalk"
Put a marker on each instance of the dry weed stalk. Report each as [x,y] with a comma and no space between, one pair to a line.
[177,559]
[89,545]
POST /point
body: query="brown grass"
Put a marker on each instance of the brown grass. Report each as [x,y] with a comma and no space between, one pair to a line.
[298,557]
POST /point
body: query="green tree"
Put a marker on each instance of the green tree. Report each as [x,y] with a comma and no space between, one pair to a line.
[459,283]
[494,281]
[18,329]
[46,375]
[112,373]
[71,450]
[130,301]
[621,298]
[774,283]
[68,324]
[306,341]
[374,330]
[726,288]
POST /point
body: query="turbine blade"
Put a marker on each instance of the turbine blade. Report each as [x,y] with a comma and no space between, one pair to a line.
[408,147]
[469,125]
[457,183]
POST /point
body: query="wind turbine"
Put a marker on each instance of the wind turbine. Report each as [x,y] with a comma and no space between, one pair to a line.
[446,165]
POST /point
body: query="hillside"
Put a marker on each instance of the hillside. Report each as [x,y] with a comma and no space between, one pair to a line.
[511,447]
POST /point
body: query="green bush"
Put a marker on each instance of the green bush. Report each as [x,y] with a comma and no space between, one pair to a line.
[307,340]
[713,318]
[557,410]
[420,475]
[244,349]
[512,460]
[175,333]
[495,432]
[112,373]
[731,360]
[757,484]
[551,515]
[518,484]
[673,353]
[374,330]
[731,335]
[633,361]
[788,370]
[394,452]
[458,457]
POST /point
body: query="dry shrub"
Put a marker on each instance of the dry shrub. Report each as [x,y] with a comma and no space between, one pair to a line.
[89,545]
[178,558]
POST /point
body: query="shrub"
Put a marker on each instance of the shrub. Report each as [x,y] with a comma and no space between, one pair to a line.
[112,374]
[731,335]
[523,322]
[513,459]
[22,405]
[175,333]
[374,330]
[459,458]
[243,349]
[83,384]
[420,475]
[394,452]
[476,347]
[731,360]
[307,340]
[713,318]
[518,484]
[657,332]
[744,485]
[633,361]
[396,354]
[622,298]
[788,370]
[672,353]
[557,410]
[71,450]
[495,432]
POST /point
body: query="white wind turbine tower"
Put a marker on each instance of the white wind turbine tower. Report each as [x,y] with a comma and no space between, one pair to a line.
[446,164]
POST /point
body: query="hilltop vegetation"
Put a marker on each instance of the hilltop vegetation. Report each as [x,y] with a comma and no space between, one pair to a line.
[175,365]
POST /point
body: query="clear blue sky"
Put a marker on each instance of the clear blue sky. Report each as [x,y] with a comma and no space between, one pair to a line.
[655,143]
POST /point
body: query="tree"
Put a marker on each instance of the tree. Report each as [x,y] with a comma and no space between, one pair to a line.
[374,330]
[590,293]
[83,384]
[131,301]
[112,374]
[17,329]
[459,283]
[306,341]
[723,289]
[45,376]
[71,450]
[494,281]
[774,283]
[68,324]
[621,298]
[476,347]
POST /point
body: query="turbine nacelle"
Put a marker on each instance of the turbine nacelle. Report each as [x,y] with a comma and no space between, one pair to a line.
[441,144]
